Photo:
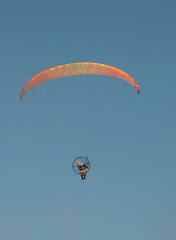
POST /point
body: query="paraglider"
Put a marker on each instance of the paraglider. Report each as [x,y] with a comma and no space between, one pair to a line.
[81,166]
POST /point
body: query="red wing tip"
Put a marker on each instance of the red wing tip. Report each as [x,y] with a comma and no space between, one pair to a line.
[21,97]
[139,90]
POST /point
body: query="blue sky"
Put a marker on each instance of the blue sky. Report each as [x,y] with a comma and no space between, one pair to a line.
[130,190]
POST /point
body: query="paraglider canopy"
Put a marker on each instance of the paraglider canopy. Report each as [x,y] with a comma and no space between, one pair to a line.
[73,69]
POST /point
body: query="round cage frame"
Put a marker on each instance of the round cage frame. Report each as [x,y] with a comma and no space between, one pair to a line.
[83,160]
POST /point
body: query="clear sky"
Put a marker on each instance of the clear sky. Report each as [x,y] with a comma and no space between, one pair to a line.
[131,141]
